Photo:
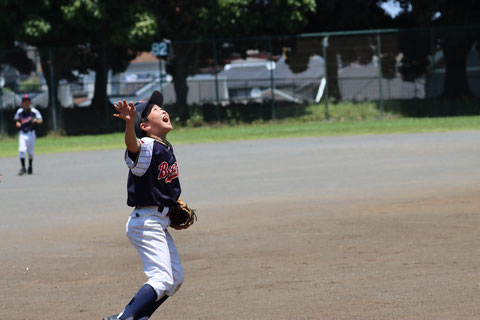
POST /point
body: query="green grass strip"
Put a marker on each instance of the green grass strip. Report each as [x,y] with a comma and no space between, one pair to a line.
[186,135]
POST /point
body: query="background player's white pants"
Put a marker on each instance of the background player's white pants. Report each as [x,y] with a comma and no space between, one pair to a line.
[26,143]
[161,263]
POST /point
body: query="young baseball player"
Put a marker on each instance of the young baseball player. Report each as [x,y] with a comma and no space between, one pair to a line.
[27,118]
[153,188]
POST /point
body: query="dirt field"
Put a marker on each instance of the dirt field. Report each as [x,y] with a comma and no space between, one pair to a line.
[363,227]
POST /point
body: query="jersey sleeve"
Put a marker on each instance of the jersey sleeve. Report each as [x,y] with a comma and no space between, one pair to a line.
[16,117]
[37,113]
[141,163]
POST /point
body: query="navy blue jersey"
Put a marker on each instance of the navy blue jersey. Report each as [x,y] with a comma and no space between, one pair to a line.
[153,175]
[26,118]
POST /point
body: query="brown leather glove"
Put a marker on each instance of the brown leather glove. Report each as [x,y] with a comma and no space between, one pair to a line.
[181,216]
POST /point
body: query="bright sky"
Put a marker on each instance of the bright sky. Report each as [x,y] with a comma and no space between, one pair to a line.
[392,7]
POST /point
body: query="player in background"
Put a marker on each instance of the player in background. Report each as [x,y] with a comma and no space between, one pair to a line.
[152,188]
[27,118]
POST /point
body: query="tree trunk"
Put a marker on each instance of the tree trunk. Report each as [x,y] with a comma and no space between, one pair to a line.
[456,49]
[100,93]
[46,67]
[332,74]
[181,91]
[180,65]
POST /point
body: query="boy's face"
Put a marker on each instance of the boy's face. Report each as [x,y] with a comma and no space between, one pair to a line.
[26,104]
[158,122]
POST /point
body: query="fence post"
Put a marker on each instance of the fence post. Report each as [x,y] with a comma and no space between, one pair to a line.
[215,64]
[324,47]
[2,121]
[272,80]
[379,61]
[52,90]
[105,72]
[433,83]
[160,73]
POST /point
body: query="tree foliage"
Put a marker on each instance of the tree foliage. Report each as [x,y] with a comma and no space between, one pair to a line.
[77,36]
[456,30]
[331,16]
[11,52]
[184,20]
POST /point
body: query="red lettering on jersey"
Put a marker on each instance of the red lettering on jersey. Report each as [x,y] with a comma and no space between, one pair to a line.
[26,120]
[166,172]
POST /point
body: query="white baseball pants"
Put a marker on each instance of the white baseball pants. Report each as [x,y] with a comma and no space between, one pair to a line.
[147,231]
[26,143]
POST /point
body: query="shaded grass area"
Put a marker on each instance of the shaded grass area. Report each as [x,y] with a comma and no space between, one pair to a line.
[303,127]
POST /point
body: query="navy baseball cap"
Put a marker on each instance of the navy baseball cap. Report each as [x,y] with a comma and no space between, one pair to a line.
[26,97]
[143,111]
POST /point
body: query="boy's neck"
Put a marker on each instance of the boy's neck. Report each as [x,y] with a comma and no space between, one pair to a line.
[161,138]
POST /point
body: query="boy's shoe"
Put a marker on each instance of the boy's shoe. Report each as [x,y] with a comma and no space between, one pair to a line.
[30,170]
[114,317]
[22,171]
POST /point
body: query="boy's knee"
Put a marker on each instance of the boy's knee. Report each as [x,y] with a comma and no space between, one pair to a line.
[179,280]
[161,286]
[174,289]
[166,287]
[177,283]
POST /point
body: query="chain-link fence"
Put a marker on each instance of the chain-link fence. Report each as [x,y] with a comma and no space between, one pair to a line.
[251,78]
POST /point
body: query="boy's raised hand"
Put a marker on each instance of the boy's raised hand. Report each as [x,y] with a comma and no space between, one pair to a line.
[125,111]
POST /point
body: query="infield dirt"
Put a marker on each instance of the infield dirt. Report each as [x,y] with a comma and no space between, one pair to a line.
[366,227]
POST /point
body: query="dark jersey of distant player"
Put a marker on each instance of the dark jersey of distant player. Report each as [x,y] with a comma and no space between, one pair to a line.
[159,185]
[26,119]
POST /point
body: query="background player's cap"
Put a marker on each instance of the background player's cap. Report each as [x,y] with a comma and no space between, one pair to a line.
[26,97]
[142,111]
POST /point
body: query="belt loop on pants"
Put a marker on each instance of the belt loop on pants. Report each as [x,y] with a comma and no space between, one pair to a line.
[148,210]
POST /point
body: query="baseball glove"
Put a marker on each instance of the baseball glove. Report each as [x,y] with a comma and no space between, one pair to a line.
[181,216]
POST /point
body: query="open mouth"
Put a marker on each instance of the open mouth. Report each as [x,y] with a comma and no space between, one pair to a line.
[165,119]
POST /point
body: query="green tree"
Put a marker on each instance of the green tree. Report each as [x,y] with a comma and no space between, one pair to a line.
[83,35]
[332,16]
[46,27]
[114,32]
[456,30]
[11,52]
[184,20]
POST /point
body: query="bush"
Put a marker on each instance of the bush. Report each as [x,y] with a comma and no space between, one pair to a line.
[32,84]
